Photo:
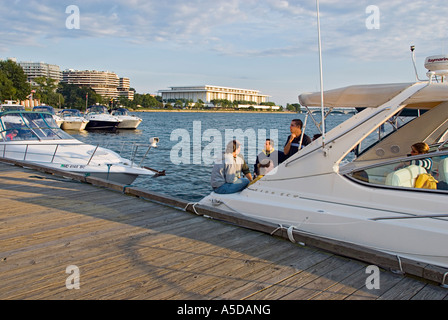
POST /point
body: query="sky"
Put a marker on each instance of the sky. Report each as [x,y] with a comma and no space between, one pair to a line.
[266,45]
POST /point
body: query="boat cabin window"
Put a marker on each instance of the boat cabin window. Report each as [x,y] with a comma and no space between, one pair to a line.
[408,173]
[383,131]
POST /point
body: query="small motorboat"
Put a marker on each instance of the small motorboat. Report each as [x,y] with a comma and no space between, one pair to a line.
[35,137]
[100,119]
[73,120]
[127,120]
[49,109]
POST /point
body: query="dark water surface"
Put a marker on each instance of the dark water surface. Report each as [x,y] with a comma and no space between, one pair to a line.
[195,135]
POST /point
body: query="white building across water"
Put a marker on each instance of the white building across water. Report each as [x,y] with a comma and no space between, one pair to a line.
[208,93]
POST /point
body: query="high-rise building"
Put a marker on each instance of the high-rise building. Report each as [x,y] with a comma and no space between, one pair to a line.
[124,89]
[104,83]
[40,69]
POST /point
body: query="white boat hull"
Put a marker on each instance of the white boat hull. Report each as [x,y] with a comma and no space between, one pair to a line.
[74,156]
[129,123]
[349,215]
[74,125]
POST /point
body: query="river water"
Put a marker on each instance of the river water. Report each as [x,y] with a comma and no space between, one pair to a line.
[189,141]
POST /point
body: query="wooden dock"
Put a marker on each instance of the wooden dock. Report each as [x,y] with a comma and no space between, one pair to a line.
[127,247]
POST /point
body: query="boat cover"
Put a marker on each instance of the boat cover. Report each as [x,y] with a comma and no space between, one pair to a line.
[372,96]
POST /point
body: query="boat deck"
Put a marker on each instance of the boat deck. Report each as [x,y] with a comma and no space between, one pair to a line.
[126,247]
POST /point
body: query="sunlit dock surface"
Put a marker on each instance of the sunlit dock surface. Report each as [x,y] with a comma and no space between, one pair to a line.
[126,247]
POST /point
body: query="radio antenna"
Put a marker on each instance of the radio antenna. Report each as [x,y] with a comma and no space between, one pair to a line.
[414,63]
[321,75]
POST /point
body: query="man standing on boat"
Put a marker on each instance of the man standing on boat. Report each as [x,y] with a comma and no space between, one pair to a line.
[295,141]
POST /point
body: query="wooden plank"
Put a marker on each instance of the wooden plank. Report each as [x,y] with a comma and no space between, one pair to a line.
[130,248]
[381,259]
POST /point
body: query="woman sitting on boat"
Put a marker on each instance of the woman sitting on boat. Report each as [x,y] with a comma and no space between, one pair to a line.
[227,172]
[417,149]
[421,148]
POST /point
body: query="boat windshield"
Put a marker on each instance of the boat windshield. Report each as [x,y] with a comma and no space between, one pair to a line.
[97,109]
[22,126]
[44,109]
[71,113]
[120,112]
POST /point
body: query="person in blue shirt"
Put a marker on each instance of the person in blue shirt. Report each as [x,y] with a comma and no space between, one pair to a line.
[293,144]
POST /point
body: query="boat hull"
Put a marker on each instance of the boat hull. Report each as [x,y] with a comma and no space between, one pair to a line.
[76,157]
[74,125]
[129,124]
[102,125]
[349,212]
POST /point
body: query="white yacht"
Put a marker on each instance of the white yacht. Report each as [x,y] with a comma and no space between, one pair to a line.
[127,120]
[100,119]
[73,120]
[49,109]
[35,137]
[348,186]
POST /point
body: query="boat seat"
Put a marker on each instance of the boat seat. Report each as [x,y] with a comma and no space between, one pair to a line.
[404,177]
[443,170]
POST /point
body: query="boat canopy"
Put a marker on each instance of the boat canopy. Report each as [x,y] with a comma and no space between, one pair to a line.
[372,96]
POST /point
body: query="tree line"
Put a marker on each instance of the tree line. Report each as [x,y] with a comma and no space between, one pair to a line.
[14,86]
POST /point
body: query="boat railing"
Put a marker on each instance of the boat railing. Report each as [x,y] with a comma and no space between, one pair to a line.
[10,149]
[134,151]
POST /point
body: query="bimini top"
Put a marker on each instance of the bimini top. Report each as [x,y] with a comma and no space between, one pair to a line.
[372,96]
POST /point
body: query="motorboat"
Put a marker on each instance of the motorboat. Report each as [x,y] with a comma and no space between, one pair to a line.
[49,109]
[100,119]
[34,137]
[356,184]
[127,120]
[73,120]
[11,106]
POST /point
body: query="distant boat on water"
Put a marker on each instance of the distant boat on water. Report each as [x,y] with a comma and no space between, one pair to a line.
[100,119]
[127,121]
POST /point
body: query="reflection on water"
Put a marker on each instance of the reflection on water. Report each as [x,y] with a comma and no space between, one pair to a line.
[191,181]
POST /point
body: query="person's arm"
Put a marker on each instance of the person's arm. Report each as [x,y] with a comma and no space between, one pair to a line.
[246,171]
[288,144]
